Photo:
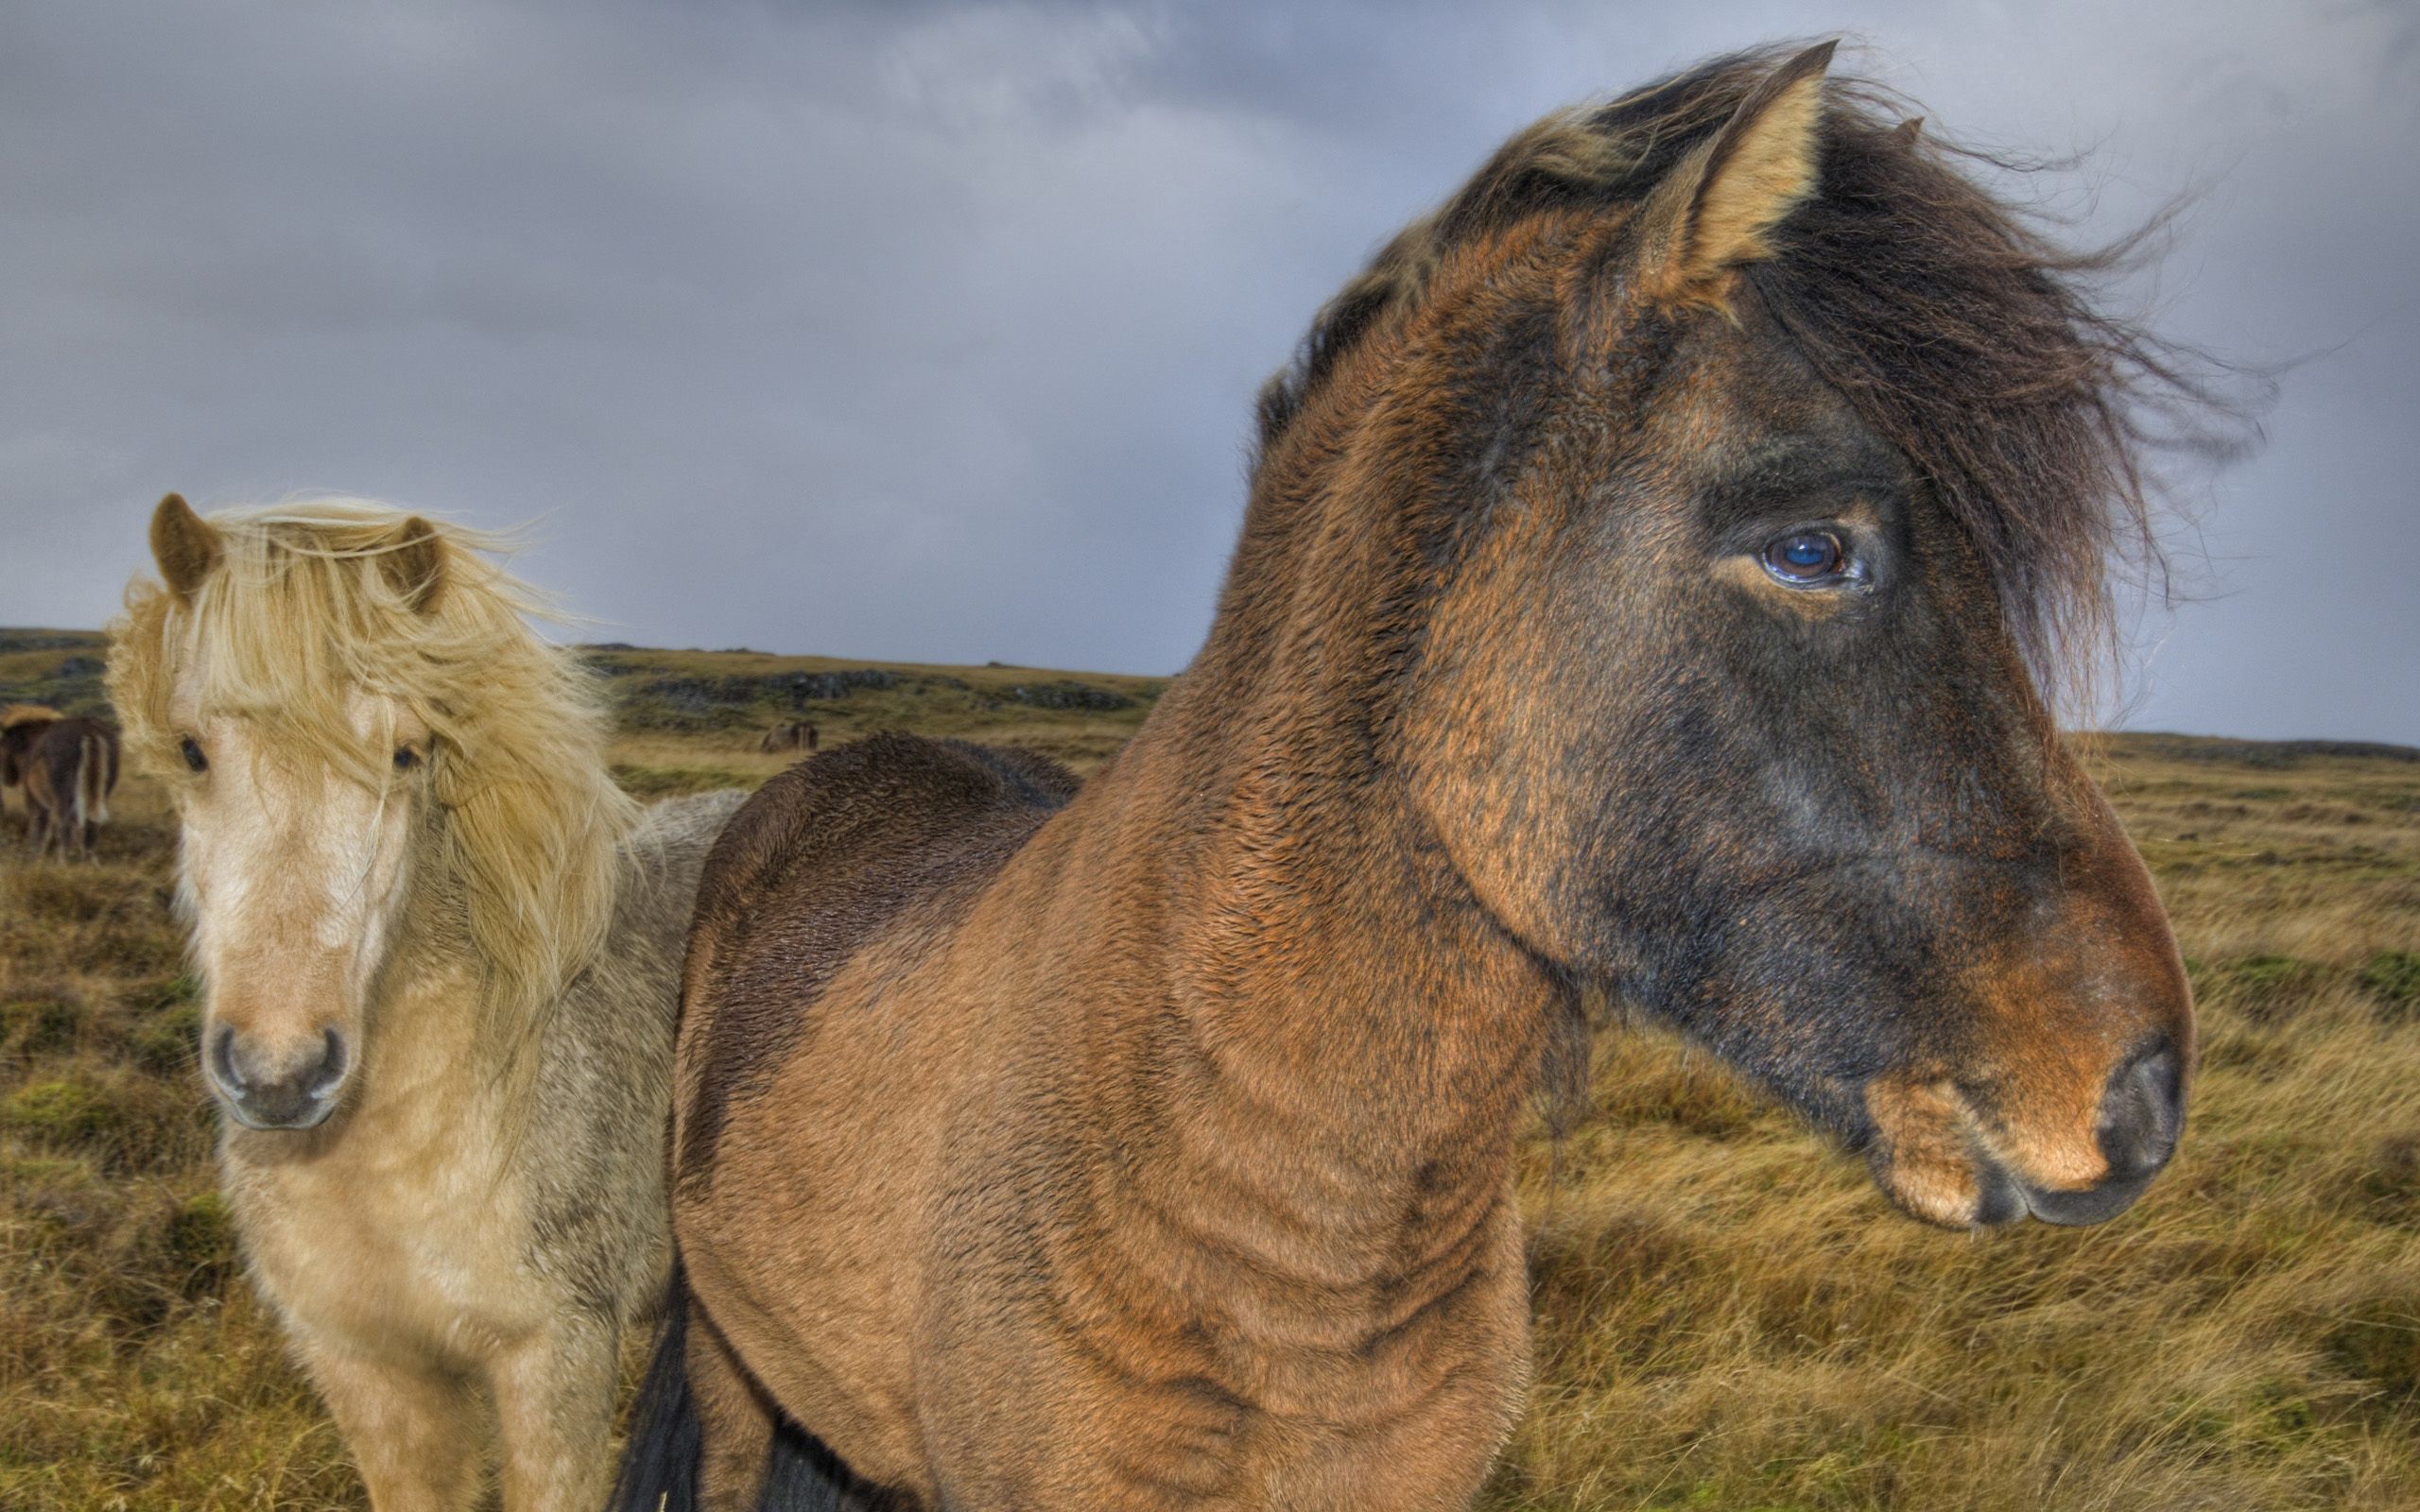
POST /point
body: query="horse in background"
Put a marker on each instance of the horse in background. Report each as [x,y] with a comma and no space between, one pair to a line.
[795,734]
[439,950]
[68,766]
[69,775]
[20,725]
[1654,570]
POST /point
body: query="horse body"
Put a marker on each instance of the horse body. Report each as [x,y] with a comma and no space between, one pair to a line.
[1646,570]
[440,952]
[795,734]
[1314,1321]
[452,1225]
[69,768]
[21,725]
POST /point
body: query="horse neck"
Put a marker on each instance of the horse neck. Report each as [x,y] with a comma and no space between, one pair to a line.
[1333,966]
[436,1018]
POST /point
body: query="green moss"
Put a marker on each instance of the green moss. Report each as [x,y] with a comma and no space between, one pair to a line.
[66,1113]
[167,1026]
[672,781]
[40,1172]
[124,1120]
[2393,978]
[167,1042]
[2270,974]
[2377,1343]
[198,1241]
[182,989]
[2262,988]
[2262,1057]
[40,1026]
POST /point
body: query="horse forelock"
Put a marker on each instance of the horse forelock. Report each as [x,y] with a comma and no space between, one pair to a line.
[298,618]
[1955,323]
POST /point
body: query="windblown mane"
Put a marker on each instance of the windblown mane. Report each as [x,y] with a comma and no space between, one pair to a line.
[297,615]
[1952,321]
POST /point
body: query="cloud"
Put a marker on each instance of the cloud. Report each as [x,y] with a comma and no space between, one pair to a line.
[930,331]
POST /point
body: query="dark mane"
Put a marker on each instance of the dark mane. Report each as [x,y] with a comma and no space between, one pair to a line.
[1956,326]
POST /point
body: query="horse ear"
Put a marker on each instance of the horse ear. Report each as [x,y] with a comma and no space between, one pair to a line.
[1723,207]
[415,564]
[183,545]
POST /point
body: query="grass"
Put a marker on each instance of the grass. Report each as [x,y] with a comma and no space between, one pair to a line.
[1728,1317]
[1725,1319]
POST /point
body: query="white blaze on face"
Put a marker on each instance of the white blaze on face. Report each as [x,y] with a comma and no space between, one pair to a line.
[293,874]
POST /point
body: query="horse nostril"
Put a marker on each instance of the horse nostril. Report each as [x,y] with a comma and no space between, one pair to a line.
[220,1057]
[2143,1111]
[331,1067]
[266,1090]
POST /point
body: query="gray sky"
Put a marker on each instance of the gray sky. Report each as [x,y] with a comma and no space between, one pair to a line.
[929,331]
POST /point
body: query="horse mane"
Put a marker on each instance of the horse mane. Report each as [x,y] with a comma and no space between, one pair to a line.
[1954,323]
[297,615]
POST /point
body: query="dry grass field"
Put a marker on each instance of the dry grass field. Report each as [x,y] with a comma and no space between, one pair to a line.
[1728,1317]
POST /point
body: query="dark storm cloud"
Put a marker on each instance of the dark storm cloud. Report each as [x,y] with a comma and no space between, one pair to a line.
[930,331]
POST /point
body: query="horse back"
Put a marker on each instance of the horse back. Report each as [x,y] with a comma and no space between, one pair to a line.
[20,734]
[63,746]
[822,860]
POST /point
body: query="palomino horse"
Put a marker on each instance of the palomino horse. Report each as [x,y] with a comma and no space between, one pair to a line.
[794,734]
[1635,598]
[441,950]
[69,768]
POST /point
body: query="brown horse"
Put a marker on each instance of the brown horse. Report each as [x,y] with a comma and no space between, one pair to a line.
[20,724]
[795,734]
[1635,598]
[69,768]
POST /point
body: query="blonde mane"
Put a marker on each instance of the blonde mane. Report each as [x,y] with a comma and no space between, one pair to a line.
[298,616]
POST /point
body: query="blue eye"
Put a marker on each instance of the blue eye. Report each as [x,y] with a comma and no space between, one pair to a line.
[1806,556]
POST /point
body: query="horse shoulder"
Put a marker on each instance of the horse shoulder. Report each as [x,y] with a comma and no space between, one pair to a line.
[752,842]
[822,863]
[814,833]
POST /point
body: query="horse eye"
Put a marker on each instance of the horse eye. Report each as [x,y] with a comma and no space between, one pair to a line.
[191,750]
[406,758]
[1805,557]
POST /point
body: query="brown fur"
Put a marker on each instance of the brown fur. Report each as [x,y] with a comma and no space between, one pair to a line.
[795,734]
[1756,170]
[20,724]
[1959,330]
[69,768]
[1152,1148]
[185,548]
[416,566]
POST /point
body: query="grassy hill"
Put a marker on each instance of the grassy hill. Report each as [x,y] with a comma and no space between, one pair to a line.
[1728,1317]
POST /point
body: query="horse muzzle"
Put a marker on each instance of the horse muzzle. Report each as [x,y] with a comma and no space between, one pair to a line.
[2142,1116]
[264,1086]
[1940,1152]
